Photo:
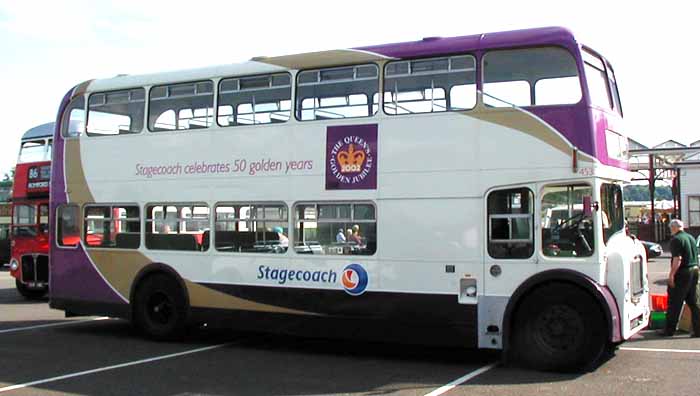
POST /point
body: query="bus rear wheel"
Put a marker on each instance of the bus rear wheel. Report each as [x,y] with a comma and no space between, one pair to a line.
[560,328]
[30,294]
[159,307]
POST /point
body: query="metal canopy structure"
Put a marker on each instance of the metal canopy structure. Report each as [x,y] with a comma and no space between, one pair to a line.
[662,162]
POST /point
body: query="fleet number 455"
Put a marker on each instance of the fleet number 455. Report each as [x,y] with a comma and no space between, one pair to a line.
[585,171]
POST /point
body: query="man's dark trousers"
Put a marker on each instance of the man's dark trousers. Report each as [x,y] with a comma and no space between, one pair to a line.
[686,282]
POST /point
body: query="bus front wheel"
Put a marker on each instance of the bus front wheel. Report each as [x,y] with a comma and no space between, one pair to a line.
[559,327]
[30,294]
[160,307]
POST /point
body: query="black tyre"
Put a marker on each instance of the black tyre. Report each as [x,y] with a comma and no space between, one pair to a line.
[30,294]
[160,307]
[559,327]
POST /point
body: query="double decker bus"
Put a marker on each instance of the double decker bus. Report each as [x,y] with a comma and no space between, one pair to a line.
[30,213]
[458,191]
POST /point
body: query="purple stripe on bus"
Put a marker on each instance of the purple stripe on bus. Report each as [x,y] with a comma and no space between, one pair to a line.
[601,124]
[616,325]
[572,121]
[72,274]
[455,45]
[74,277]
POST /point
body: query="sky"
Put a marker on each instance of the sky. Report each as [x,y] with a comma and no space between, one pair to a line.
[46,47]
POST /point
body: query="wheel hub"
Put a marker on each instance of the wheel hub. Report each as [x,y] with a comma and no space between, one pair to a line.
[160,308]
[559,328]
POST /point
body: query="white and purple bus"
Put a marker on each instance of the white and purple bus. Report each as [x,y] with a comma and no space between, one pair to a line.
[460,191]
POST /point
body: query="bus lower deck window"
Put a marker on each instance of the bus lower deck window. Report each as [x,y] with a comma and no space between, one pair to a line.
[335,229]
[251,228]
[112,227]
[178,227]
[68,225]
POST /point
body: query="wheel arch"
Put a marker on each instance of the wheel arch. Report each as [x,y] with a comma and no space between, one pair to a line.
[152,269]
[601,294]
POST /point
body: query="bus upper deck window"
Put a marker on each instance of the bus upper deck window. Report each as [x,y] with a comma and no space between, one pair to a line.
[255,100]
[614,90]
[340,92]
[116,112]
[33,151]
[530,77]
[181,106]
[73,121]
[597,80]
[430,85]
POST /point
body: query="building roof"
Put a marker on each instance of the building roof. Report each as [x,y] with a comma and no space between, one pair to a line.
[39,131]
[635,145]
[670,144]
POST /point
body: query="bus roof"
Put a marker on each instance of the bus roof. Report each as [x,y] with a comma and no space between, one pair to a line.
[39,131]
[430,46]
[435,46]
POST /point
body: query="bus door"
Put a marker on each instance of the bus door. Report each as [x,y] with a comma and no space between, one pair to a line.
[509,256]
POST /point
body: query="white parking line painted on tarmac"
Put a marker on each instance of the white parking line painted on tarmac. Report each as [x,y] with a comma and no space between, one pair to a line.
[660,350]
[42,326]
[460,380]
[113,367]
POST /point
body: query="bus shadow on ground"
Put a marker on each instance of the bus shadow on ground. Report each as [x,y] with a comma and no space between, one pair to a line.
[509,374]
[18,326]
[375,368]
[12,296]
[282,364]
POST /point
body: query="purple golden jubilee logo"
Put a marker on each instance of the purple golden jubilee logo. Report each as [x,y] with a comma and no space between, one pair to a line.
[351,157]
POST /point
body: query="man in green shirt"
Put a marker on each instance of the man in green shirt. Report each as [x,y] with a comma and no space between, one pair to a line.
[683,279]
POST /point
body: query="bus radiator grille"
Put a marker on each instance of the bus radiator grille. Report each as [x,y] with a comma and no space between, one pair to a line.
[35,269]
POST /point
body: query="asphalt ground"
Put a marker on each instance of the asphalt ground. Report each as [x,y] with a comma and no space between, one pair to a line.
[658,268]
[42,353]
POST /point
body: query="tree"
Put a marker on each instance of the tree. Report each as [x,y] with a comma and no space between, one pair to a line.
[9,177]
[639,192]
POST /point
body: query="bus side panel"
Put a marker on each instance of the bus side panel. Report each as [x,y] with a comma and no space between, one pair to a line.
[74,278]
[368,329]
[400,307]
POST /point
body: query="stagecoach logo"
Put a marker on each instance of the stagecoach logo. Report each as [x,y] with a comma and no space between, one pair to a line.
[355,279]
[351,157]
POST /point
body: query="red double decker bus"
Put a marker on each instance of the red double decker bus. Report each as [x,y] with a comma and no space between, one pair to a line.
[30,213]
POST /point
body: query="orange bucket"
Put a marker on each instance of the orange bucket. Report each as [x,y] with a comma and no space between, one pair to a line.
[659,302]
